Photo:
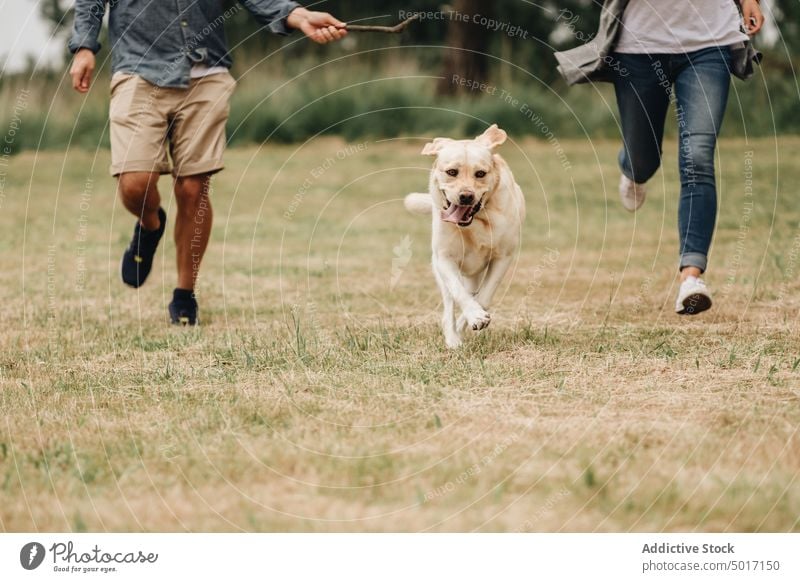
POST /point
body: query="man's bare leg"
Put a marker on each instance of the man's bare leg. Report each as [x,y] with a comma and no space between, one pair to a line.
[192,226]
[139,194]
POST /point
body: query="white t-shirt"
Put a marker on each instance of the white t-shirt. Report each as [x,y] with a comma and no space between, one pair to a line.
[200,70]
[679,26]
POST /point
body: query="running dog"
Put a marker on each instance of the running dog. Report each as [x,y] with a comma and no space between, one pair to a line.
[478,210]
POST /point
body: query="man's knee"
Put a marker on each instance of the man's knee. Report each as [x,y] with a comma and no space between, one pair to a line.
[135,185]
[191,190]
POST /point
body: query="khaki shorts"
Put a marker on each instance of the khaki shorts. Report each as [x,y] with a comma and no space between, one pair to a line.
[148,121]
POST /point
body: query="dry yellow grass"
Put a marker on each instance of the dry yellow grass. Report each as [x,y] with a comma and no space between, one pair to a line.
[317,394]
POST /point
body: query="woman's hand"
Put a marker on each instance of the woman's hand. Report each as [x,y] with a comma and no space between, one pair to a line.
[753,17]
[320,27]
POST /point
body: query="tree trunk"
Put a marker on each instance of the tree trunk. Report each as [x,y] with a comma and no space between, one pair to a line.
[468,42]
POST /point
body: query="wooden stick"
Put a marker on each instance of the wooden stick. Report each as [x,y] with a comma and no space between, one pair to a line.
[390,29]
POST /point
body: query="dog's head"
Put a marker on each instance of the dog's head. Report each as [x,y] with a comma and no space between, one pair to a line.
[465,174]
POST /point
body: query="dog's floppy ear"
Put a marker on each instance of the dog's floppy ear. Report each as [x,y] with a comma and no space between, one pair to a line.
[492,137]
[433,148]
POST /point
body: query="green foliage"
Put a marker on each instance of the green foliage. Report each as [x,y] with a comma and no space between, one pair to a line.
[358,101]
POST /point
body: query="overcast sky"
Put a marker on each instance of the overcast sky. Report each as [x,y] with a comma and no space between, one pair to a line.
[24,35]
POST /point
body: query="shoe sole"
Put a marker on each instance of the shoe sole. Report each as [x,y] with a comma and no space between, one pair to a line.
[694,304]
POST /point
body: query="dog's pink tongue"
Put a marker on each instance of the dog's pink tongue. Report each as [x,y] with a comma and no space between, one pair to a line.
[456,213]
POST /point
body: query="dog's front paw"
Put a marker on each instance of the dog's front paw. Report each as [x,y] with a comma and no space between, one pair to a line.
[477,318]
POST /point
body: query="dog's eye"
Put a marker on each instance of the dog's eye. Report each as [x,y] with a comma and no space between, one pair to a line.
[452,172]
[480,174]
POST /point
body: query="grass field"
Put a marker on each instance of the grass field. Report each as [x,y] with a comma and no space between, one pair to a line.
[318,396]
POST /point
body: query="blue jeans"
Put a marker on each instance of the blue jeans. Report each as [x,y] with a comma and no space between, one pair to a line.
[699,82]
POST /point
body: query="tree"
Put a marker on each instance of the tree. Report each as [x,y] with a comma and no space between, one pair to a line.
[787,15]
[53,12]
[468,43]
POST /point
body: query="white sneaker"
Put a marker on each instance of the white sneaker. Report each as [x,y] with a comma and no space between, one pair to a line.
[631,193]
[693,297]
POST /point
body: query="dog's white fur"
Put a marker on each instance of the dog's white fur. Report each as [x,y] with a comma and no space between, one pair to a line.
[469,261]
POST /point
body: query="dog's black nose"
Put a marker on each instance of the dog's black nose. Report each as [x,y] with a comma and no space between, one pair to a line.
[466,199]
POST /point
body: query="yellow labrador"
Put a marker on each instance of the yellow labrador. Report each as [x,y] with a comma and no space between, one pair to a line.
[478,210]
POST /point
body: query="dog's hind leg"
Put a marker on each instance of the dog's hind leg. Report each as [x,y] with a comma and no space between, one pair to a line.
[452,337]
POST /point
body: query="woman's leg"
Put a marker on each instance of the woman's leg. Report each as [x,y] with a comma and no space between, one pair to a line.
[701,88]
[643,93]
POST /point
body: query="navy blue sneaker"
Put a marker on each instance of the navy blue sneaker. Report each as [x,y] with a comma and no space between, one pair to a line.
[138,258]
[183,308]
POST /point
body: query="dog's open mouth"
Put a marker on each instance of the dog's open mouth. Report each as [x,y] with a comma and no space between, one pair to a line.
[460,214]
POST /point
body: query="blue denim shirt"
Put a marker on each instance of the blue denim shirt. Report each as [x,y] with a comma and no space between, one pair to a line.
[160,40]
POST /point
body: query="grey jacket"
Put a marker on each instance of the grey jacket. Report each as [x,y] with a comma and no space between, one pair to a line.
[592,61]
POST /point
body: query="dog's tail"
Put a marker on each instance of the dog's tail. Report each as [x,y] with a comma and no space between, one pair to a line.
[419,203]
